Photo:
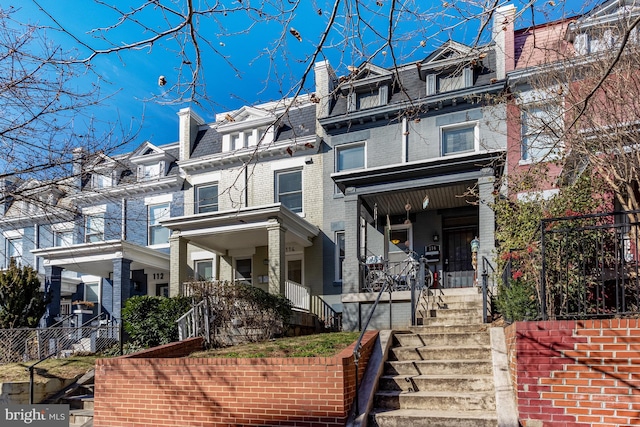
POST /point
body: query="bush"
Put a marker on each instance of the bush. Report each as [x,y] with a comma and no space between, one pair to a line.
[151,321]
[518,301]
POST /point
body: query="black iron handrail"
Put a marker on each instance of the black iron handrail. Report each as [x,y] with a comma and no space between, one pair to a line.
[485,287]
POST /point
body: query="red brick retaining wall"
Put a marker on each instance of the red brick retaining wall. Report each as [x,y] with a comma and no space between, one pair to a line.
[314,391]
[576,373]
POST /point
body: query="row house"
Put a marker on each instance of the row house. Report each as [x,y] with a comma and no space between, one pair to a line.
[307,195]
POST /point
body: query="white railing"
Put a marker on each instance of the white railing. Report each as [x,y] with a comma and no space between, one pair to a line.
[299,295]
[194,322]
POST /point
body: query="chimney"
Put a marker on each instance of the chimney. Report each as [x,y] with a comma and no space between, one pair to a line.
[503,18]
[189,124]
[77,155]
[325,84]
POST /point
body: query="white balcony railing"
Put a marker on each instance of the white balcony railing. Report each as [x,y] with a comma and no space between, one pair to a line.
[299,295]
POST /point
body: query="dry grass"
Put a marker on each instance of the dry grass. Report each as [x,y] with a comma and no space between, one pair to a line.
[70,367]
[320,345]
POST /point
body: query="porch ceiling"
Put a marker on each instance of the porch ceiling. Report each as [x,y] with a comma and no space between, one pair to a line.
[393,203]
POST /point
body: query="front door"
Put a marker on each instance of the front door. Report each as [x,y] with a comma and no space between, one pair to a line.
[294,270]
[458,269]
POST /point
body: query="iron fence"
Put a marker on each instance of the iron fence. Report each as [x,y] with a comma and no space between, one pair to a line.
[589,266]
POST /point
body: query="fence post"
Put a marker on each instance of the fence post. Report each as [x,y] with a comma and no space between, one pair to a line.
[543,282]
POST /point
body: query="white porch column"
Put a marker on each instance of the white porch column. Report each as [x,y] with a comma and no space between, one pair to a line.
[178,264]
[486,216]
[277,272]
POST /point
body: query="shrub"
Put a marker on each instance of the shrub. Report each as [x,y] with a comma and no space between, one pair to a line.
[518,301]
[151,321]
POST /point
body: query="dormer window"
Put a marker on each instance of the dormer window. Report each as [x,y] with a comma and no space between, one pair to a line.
[367,99]
[439,83]
[101,181]
[151,171]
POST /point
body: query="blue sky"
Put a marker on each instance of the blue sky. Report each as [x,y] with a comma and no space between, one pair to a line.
[261,69]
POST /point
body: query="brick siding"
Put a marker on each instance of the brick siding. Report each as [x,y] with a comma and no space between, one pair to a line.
[145,390]
[576,373]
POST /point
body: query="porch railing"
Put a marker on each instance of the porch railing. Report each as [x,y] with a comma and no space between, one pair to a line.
[299,295]
[332,319]
[590,266]
[195,322]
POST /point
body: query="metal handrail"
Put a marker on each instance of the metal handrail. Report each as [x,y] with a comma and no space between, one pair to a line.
[485,290]
[61,321]
[358,347]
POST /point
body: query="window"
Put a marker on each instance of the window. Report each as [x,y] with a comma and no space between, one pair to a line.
[101,181]
[243,270]
[458,139]
[539,123]
[401,238]
[207,198]
[92,292]
[237,141]
[14,251]
[94,228]
[157,233]
[289,189]
[204,270]
[151,171]
[63,238]
[339,255]
[349,157]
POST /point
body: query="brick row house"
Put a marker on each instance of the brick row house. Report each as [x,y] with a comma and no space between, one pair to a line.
[375,164]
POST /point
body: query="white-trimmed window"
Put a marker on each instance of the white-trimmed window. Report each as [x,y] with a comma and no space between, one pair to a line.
[158,234]
[206,198]
[289,189]
[101,181]
[539,123]
[151,171]
[14,250]
[340,254]
[94,228]
[350,156]
[63,238]
[204,269]
[459,138]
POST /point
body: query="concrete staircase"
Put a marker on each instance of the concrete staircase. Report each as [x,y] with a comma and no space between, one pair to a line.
[441,373]
[79,397]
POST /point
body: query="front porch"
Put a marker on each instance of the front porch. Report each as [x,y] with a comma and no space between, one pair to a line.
[395,215]
[266,246]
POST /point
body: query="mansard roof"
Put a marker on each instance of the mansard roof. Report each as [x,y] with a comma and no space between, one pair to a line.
[408,83]
[296,122]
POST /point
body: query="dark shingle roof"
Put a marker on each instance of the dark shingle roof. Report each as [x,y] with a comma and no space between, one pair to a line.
[207,142]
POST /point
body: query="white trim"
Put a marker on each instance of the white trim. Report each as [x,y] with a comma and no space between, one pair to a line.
[202,255]
[157,200]
[409,228]
[462,125]
[336,257]
[93,210]
[205,178]
[294,163]
[62,226]
[13,234]
[347,146]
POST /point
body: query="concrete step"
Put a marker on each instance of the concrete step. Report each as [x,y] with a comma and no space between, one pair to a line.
[84,401]
[447,304]
[439,367]
[418,418]
[80,417]
[440,353]
[440,329]
[461,313]
[436,400]
[465,339]
[448,383]
[449,321]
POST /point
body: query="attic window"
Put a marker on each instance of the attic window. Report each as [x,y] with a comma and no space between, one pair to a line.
[150,171]
[449,82]
[101,181]
[362,100]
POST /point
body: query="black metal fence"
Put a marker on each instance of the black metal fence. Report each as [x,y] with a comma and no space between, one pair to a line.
[589,266]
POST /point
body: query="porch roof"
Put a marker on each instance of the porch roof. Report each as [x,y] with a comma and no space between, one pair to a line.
[446,180]
[97,258]
[241,228]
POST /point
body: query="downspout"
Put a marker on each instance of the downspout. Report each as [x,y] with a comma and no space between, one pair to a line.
[246,185]
[405,139]
[123,224]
